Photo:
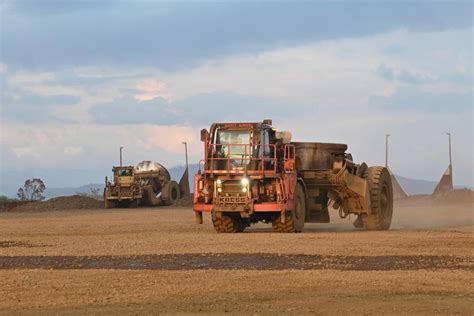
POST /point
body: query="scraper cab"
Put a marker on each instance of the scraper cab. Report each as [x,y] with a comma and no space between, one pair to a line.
[148,183]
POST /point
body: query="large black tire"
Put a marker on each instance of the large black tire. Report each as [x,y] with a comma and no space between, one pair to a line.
[299,213]
[170,193]
[227,224]
[381,199]
[286,227]
[294,221]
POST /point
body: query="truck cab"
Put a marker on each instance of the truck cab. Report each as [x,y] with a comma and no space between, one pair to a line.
[123,176]
[246,175]
[243,148]
[124,189]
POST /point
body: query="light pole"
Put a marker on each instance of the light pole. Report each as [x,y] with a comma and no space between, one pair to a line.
[121,155]
[386,150]
[186,153]
[450,156]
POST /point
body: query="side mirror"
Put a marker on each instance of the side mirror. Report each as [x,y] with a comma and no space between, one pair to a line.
[204,135]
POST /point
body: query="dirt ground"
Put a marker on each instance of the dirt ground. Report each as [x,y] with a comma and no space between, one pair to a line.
[149,261]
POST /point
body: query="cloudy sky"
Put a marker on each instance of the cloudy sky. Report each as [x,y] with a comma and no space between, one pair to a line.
[81,78]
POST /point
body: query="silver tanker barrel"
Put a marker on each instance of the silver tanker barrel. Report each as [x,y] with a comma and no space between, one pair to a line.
[156,182]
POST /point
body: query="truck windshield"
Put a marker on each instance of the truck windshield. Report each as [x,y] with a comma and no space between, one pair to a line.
[125,172]
[242,149]
[234,144]
[233,137]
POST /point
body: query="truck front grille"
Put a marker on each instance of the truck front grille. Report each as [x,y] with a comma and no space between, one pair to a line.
[223,200]
[125,191]
[231,194]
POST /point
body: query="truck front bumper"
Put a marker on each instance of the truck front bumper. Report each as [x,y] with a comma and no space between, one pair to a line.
[261,207]
[124,198]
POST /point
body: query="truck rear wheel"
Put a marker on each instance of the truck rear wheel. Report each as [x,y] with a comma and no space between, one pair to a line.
[381,199]
[294,221]
[171,193]
[227,224]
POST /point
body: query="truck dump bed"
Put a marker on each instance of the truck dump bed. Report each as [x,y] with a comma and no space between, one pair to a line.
[317,156]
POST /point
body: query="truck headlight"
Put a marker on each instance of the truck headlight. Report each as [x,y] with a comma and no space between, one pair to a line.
[244,182]
[219,190]
[244,189]
[219,182]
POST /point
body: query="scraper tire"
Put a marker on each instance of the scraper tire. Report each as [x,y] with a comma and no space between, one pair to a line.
[381,199]
[171,193]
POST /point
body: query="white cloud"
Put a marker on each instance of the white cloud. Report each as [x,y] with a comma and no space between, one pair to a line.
[464,64]
[26,77]
[25,153]
[312,74]
[3,68]
[446,87]
[92,144]
[328,73]
[336,72]
[333,80]
[150,89]
[72,150]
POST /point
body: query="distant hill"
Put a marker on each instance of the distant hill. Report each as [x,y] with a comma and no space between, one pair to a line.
[415,186]
[67,191]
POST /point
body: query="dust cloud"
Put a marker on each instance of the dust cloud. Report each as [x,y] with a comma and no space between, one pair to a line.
[453,209]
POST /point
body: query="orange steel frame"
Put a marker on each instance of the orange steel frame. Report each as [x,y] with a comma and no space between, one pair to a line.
[208,166]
